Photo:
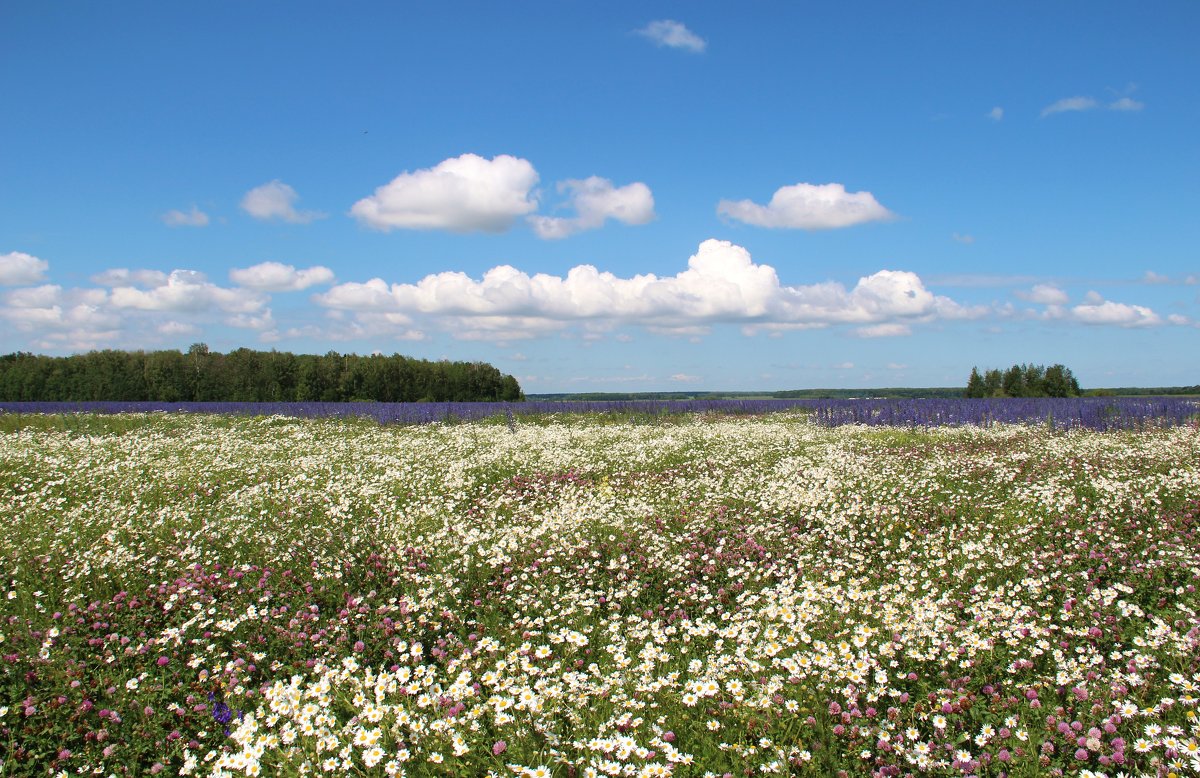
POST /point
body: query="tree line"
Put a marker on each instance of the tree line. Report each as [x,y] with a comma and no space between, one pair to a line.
[244,375]
[1023,381]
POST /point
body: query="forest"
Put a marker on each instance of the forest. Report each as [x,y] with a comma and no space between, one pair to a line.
[245,375]
[1023,381]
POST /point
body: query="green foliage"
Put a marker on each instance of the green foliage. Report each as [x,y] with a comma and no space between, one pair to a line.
[244,375]
[1023,381]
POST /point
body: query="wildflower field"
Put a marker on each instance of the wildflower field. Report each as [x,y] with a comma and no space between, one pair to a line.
[703,595]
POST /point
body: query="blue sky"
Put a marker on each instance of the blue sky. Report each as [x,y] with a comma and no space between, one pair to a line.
[611,196]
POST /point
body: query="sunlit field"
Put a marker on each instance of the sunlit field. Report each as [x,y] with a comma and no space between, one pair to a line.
[699,595]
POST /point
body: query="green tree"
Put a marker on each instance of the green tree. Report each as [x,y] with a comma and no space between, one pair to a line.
[975,386]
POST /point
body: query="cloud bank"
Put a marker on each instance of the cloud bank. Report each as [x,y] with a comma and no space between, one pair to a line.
[721,284]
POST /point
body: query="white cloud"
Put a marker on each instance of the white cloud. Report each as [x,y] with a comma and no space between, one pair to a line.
[996,114]
[119,276]
[897,366]
[844,366]
[1119,314]
[462,194]
[277,277]
[250,322]
[1151,277]
[685,378]
[57,316]
[673,34]
[883,331]
[1068,104]
[595,200]
[174,329]
[1179,319]
[142,308]
[190,292]
[276,200]
[1043,294]
[18,269]
[808,207]
[720,284]
[44,296]
[193,218]
[964,239]
[1126,104]
[60,318]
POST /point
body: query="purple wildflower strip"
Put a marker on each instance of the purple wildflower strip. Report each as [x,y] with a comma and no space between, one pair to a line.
[1094,413]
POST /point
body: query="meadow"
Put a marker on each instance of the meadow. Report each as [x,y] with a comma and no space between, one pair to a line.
[578,595]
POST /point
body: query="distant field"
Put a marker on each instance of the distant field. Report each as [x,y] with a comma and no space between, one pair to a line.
[616,592]
[1097,413]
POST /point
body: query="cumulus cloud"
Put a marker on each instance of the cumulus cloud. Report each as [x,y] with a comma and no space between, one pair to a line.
[685,378]
[193,218]
[1150,277]
[1068,104]
[721,284]
[996,114]
[66,318]
[18,269]
[57,318]
[1119,314]
[187,291]
[674,35]
[964,239]
[1043,294]
[596,200]
[276,200]
[44,296]
[808,207]
[129,308]
[277,277]
[462,194]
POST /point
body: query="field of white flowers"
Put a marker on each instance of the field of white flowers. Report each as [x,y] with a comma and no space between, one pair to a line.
[703,596]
